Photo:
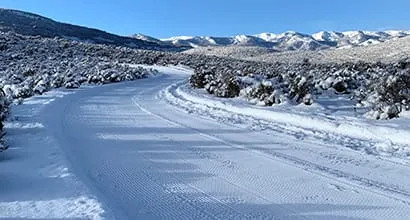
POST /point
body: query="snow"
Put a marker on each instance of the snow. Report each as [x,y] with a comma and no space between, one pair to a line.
[37,181]
[156,149]
[177,38]
[241,39]
[67,208]
[292,40]
[315,119]
[267,36]
[191,41]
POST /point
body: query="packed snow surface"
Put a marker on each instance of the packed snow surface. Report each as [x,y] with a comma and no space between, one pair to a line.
[36,180]
[156,149]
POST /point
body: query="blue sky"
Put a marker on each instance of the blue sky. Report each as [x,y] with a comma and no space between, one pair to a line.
[165,18]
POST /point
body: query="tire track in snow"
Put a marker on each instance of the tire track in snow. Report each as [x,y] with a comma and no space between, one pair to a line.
[356,144]
[111,104]
[366,184]
[233,184]
[193,203]
[174,89]
[65,119]
[284,211]
[335,158]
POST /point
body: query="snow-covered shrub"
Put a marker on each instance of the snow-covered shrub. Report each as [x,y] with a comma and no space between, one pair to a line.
[72,84]
[262,93]
[391,95]
[301,89]
[220,82]
[307,99]
[339,85]
[226,87]
[201,78]
[42,84]
[3,113]
[367,83]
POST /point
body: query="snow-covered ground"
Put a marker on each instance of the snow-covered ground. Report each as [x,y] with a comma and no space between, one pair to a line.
[36,180]
[155,149]
[332,118]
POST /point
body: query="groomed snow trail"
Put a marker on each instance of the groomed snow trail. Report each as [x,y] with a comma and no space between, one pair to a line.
[36,181]
[147,159]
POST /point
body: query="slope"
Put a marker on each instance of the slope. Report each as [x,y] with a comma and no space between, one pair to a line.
[31,24]
[293,41]
[386,52]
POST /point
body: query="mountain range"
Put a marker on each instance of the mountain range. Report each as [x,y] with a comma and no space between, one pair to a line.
[286,41]
[26,23]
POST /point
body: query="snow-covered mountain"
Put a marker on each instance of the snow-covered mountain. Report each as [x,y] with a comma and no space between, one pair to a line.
[147,38]
[358,38]
[31,24]
[290,40]
[199,41]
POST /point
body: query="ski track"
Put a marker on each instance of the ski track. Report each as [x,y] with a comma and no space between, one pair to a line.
[148,153]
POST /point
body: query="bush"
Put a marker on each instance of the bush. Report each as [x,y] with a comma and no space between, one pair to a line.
[391,95]
[201,78]
[4,103]
[226,87]
[367,83]
[264,92]
[301,89]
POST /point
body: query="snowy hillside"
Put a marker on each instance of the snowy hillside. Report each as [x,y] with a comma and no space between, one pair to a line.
[386,52]
[147,38]
[31,24]
[290,41]
[31,66]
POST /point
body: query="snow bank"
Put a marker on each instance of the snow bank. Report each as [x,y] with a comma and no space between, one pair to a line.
[386,138]
[37,181]
[67,208]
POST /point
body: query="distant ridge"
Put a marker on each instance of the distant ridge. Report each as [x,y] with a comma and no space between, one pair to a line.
[288,41]
[26,23]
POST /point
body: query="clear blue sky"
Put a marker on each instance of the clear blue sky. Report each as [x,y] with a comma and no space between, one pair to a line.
[165,18]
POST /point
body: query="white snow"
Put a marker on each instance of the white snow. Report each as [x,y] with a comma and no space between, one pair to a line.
[329,119]
[67,208]
[267,36]
[156,149]
[36,181]
[178,38]
[241,39]
[292,40]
